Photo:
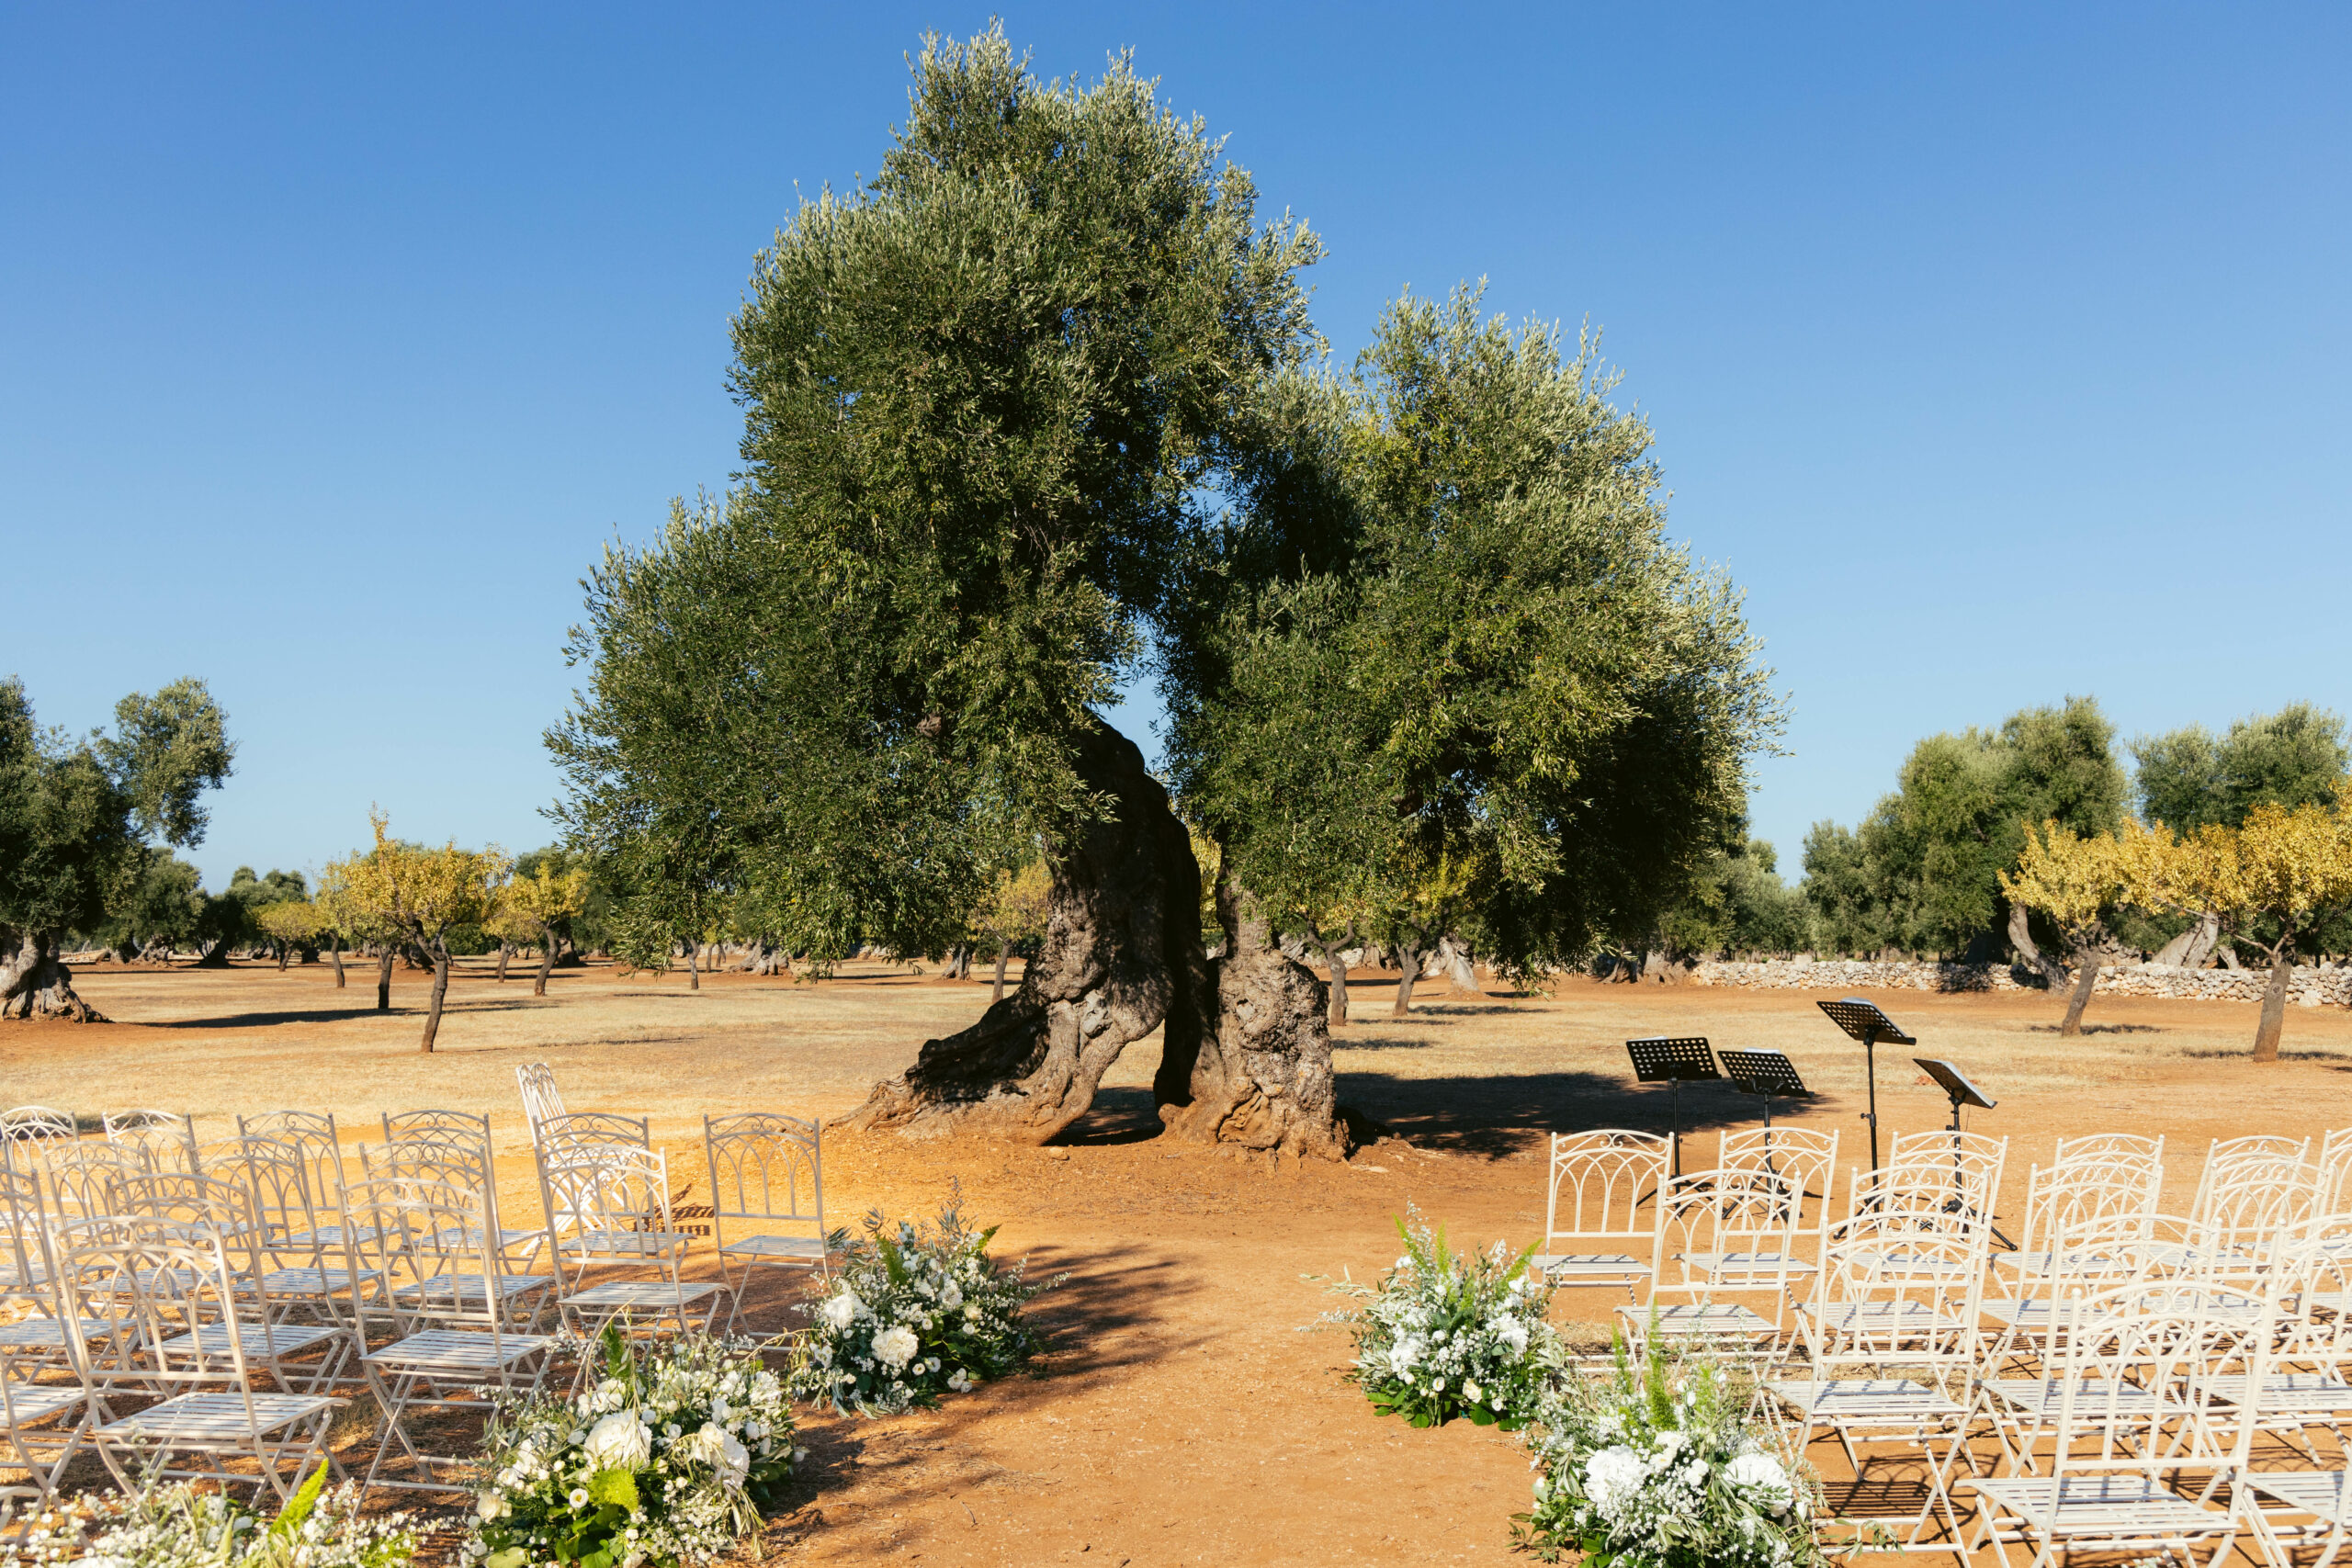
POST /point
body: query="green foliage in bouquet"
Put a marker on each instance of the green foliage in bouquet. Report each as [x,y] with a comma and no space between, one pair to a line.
[1655,1466]
[671,1456]
[1442,1336]
[175,1526]
[911,1315]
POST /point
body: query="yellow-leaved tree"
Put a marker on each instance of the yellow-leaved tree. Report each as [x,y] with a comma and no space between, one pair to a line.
[2268,882]
[290,923]
[350,924]
[421,894]
[2076,881]
[542,905]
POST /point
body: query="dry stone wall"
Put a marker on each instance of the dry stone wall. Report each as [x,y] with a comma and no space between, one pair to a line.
[2305,988]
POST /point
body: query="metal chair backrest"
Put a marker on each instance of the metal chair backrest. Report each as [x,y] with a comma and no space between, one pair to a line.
[2110,1148]
[597,1193]
[765,1167]
[27,1132]
[436,1244]
[176,1207]
[458,1162]
[594,1129]
[85,1179]
[165,1140]
[399,1126]
[163,1294]
[2256,1206]
[277,1176]
[1902,1281]
[2075,1197]
[1601,1181]
[25,1264]
[541,1099]
[1706,1221]
[1799,1162]
[313,1133]
[2123,1341]
[2335,1170]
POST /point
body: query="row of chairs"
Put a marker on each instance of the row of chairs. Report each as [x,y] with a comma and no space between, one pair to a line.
[248,1296]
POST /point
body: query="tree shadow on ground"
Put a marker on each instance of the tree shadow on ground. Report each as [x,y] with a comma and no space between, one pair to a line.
[1112,1314]
[1117,1116]
[1499,1116]
[2100,1029]
[329,1015]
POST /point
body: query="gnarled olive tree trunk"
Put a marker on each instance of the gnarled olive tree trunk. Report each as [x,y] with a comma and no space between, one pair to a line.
[1245,1057]
[33,984]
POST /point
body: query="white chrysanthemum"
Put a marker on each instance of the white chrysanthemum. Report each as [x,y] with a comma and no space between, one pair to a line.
[1764,1480]
[894,1348]
[1612,1478]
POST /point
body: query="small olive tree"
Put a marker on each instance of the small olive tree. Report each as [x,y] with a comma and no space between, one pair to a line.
[420,894]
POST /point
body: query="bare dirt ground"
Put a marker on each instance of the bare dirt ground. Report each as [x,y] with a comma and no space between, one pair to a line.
[1180,1416]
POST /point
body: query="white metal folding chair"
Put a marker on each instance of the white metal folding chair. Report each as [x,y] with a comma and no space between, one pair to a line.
[594,1130]
[42,1427]
[2121,1149]
[1595,1231]
[163,1140]
[311,1131]
[766,1170]
[201,1356]
[1714,1243]
[461,1321]
[459,1156]
[2249,1199]
[301,1271]
[2119,1201]
[617,1201]
[85,1179]
[2134,1465]
[1796,1166]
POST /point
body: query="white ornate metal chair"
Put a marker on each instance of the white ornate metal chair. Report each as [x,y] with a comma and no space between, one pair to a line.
[314,1133]
[85,1179]
[29,1132]
[462,1323]
[461,1157]
[303,1271]
[594,1130]
[1798,1164]
[609,1209]
[2250,1199]
[163,1140]
[205,1358]
[2119,1201]
[1714,1243]
[1595,1231]
[2136,1464]
[766,1170]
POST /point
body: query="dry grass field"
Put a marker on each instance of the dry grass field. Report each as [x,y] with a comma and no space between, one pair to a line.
[1180,1416]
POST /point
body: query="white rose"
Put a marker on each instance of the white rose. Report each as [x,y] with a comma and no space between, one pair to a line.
[1613,1477]
[894,1348]
[734,1461]
[1513,1333]
[951,1298]
[1764,1480]
[839,1312]
[618,1442]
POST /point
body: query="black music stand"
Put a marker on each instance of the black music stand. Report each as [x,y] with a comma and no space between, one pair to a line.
[1660,1060]
[1766,1074]
[1960,1092]
[1863,1020]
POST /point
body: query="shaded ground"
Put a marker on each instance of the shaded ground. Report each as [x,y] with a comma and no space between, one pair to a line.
[1182,1416]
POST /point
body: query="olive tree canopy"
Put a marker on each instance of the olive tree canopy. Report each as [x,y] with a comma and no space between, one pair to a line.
[1040,408]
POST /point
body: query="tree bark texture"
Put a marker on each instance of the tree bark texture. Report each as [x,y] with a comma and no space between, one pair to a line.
[384,978]
[547,960]
[335,950]
[505,950]
[1113,967]
[2274,1003]
[1003,952]
[2085,979]
[2192,948]
[1409,969]
[215,957]
[1262,1079]
[33,984]
[1335,960]
[694,971]
[2021,938]
[440,990]
[1460,968]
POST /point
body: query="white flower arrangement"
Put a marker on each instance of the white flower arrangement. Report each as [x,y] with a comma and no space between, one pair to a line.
[174,1525]
[1442,1336]
[1654,1466]
[672,1456]
[911,1315]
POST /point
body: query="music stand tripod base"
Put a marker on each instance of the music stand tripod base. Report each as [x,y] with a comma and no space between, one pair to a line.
[1658,1059]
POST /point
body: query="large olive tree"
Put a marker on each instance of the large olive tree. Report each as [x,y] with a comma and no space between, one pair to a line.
[1037,410]
[75,818]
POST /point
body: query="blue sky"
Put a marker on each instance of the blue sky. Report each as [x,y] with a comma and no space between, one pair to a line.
[2000,351]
